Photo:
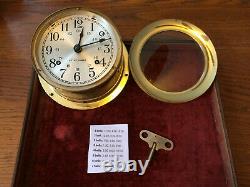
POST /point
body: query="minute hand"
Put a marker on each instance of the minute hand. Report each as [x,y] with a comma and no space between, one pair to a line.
[99,41]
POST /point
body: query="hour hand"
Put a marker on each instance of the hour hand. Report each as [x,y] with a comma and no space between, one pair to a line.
[77,47]
[81,35]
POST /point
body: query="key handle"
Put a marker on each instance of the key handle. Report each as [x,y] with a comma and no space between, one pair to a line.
[161,142]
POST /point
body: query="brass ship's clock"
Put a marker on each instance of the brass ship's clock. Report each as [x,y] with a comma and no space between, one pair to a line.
[80,58]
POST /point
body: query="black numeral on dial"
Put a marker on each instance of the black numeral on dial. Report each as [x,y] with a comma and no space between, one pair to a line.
[63,71]
[48,50]
[65,27]
[100,62]
[54,36]
[101,33]
[77,76]
[91,72]
[53,63]
[78,23]
[107,50]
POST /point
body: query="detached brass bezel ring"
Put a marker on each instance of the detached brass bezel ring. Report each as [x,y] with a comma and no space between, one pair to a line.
[210,57]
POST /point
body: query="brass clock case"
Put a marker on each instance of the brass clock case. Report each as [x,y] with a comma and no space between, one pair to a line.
[201,39]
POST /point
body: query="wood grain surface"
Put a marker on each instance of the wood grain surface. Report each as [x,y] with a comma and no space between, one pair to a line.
[227,22]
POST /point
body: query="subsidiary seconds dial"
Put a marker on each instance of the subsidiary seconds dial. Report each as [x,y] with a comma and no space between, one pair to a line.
[78,50]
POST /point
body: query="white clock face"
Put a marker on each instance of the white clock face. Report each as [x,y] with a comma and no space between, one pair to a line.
[77,50]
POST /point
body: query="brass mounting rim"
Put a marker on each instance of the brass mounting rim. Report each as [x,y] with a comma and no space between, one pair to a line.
[81,105]
[194,32]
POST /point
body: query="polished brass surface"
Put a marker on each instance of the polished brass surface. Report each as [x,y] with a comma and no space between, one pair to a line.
[79,100]
[209,71]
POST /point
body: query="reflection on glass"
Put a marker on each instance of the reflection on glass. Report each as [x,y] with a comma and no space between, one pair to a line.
[172,61]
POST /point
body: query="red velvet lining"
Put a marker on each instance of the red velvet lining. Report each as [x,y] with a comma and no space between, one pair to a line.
[57,148]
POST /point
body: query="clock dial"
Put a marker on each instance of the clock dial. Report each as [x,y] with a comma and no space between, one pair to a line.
[78,50]
[80,58]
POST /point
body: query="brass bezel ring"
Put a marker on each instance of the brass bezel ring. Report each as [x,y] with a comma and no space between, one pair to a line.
[194,32]
[80,105]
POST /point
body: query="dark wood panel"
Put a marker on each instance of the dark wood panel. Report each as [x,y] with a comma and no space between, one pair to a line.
[226,22]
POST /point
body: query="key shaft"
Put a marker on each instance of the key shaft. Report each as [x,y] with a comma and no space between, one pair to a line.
[151,153]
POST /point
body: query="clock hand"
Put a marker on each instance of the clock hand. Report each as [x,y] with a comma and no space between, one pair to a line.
[81,35]
[77,47]
[99,41]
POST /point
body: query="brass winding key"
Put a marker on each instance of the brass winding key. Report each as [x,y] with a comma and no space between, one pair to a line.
[155,142]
